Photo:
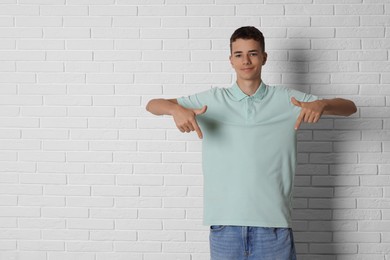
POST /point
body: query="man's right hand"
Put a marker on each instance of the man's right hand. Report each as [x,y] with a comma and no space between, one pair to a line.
[185,119]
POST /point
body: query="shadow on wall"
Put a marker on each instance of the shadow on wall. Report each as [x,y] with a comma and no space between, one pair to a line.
[325,180]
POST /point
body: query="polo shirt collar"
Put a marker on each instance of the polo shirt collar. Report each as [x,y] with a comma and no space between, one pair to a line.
[239,95]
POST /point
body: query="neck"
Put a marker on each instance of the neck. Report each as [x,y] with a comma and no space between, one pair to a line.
[249,87]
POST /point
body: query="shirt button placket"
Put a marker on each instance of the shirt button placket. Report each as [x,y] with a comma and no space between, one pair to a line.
[250,107]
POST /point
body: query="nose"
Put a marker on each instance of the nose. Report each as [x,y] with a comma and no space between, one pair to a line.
[246,59]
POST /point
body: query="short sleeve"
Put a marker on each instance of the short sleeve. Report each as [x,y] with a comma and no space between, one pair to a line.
[301,96]
[197,100]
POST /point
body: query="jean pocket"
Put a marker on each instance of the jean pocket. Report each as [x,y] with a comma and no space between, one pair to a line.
[215,228]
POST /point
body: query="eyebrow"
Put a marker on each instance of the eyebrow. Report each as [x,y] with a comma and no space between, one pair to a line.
[248,51]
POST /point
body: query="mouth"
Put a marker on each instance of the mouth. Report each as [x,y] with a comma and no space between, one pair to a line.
[247,69]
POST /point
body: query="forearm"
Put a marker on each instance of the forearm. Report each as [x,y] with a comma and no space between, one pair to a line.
[339,107]
[161,107]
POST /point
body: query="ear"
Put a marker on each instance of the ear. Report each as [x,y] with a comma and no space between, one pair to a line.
[230,58]
[265,55]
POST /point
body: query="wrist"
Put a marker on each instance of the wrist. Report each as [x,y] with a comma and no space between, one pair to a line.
[174,109]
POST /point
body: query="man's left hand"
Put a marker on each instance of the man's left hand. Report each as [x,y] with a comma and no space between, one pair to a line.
[311,112]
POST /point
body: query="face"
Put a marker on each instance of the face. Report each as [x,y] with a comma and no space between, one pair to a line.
[247,59]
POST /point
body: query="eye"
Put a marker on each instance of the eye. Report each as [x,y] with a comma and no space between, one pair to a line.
[237,55]
[253,54]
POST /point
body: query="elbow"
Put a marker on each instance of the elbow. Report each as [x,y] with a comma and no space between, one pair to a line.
[353,108]
[148,105]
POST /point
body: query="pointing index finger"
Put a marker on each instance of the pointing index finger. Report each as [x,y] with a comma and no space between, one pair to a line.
[197,129]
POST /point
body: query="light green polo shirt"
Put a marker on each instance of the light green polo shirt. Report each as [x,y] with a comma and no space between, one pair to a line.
[248,154]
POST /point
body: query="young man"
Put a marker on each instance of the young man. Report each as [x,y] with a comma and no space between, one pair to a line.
[248,134]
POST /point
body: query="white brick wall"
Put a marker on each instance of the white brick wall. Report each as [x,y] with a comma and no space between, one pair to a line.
[86,173]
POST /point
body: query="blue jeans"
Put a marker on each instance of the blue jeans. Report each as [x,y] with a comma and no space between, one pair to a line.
[251,243]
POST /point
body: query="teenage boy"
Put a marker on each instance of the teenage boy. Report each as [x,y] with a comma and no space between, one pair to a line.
[248,134]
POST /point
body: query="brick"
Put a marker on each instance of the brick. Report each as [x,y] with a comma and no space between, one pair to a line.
[89,157]
[358,192]
[373,203]
[67,212]
[135,157]
[19,122]
[89,246]
[111,123]
[63,10]
[39,67]
[23,255]
[90,224]
[63,123]
[162,11]
[259,10]
[100,67]
[234,21]
[319,237]
[335,181]
[65,234]
[113,146]
[380,158]
[367,20]
[70,256]
[382,248]
[115,33]
[42,223]
[17,10]
[163,191]
[356,146]
[353,169]
[117,191]
[360,32]
[116,10]
[357,214]
[20,32]
[161,214]
[353,124]
[67,190]
[310,32]
[335,89]
[113,214]
[333,225]
[66,33]
[359,9]
[115,56]
[30,21]
[140,180]
[138,44]
[300,9]
[333,203]
[41,245]
[138,224]
[39,178]
[90,112]
[138,21]
[203,10]
[100,21]
[116,100]
[285,21]
[335,44]
[362,55]
[118,256]
[336,248]
[91,89]
[172,22]
[164,33]
[114,235]
[361,78]
[334,66]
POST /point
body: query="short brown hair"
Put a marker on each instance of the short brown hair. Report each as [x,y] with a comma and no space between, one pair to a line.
[248,32]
